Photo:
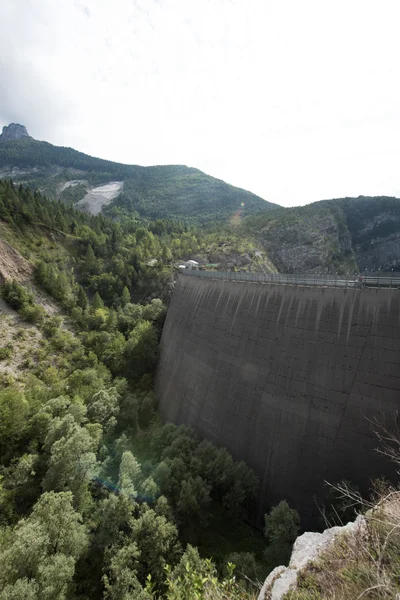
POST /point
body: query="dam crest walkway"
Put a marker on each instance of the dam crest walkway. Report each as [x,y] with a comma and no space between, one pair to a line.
[378,280]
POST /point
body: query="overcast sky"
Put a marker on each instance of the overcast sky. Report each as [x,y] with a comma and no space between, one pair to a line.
[295,100]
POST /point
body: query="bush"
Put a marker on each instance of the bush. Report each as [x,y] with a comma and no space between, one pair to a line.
[6,352]
[51,325]
[33,314]
[16,295]
[245,566]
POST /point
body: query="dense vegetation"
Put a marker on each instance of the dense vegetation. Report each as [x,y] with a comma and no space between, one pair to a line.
[177,191]
[98,498]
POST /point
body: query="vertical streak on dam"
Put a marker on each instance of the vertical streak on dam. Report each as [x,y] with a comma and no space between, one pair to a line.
[287,378]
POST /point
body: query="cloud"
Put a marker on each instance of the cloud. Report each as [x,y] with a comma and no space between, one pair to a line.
[294,101]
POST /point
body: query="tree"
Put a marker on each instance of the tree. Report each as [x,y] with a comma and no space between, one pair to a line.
[195,578]
[245,565]
[154,311]
[43,550]
[120,580]
[103,408]
[193,499]
[114,353]
[128,414]
[146,410]
[72,464]
[97,302]
[13,419]
[82,298]
[16,295]
[90,260]
[126,296]
[129,474]
[21,486]
[282,525]
[115,513]
[157,540]
[233,500]
[142,349]
[150,490]
[41,273]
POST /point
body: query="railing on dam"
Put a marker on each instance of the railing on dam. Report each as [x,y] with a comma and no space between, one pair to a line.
[386,280]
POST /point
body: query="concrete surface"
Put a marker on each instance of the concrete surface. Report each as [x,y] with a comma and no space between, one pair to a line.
[286,377]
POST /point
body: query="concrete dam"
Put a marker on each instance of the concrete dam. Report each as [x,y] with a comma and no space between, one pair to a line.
[286,377]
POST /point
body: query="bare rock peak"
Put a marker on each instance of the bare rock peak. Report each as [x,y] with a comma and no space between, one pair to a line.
[14,131]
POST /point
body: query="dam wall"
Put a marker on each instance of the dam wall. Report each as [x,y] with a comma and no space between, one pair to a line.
[286,377]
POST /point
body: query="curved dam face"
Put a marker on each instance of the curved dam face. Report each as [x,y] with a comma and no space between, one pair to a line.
[287,378]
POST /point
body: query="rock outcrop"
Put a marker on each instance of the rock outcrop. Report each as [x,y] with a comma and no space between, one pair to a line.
[307,548]
[14,131]
[309,240]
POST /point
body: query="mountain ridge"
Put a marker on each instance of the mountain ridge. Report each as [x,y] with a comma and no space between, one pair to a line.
[343,235]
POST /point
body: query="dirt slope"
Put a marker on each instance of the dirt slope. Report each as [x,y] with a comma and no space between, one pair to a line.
[13,265]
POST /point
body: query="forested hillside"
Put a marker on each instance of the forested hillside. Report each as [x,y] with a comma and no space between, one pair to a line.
[176,191]
[98,498]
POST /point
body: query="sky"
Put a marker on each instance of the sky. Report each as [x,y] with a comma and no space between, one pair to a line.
[296,101]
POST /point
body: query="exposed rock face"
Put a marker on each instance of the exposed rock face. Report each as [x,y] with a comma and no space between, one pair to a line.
[375,232]
[100,196]
[308,547]
[342,236]
[317,242]
[14,131]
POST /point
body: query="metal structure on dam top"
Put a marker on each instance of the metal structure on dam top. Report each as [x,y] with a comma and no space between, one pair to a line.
[380,279]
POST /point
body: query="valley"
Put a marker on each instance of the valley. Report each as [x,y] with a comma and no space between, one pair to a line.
[174,461]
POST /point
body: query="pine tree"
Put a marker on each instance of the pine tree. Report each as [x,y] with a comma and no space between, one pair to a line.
[97,301]
[41,273]
[126,297]
[129,474]
[82,298]
[90,260]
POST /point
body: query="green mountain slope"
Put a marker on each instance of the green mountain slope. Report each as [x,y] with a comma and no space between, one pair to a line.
[175,191]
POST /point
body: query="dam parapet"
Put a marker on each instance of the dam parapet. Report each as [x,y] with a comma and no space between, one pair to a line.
[359,281]
[287,377]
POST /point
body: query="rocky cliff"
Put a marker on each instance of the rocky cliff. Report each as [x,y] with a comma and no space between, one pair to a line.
[14,131]
[334,236]
[307,549]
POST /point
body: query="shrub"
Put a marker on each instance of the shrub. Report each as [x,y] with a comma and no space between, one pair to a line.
[6,352]
[16,295]
[6,379]
[51,325]
[33,313]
